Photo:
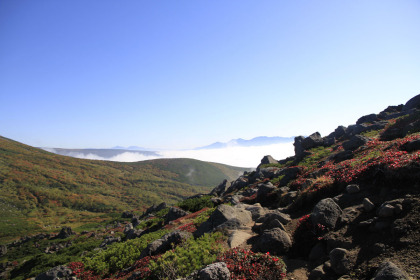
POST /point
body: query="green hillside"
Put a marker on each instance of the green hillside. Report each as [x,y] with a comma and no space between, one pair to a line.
[43,191]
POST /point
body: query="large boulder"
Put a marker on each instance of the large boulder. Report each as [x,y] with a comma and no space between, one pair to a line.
[214,271]
[165,243]
[340,261]
[389,271]
[413,103]
[268,160]
[411,146]
[155,208]
[222,214]
[275,241]
[355,142]
[238,184]
[305,143]
[368,119]
[56,273]
[174,213]
[326,212]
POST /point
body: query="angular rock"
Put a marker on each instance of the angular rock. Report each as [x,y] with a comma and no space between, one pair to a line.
[264,190]
[317,273]
[109,240]
[326,212]
[65,233]
[268,160]
[411,146]
[368,205]
[214,271]
[340,261]
[368,119]
[135,221]
[277,214]
[221,188]
[386,211]
[238,184]
[165,243]
[174,213]
[389,271]
[257,211]
[275,241]
[56,273]
[222,214]
[355,142]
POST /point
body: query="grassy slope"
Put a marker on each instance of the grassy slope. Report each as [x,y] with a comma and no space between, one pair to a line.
[42,191]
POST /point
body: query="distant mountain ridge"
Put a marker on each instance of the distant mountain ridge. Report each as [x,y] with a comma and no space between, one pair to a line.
[257,141]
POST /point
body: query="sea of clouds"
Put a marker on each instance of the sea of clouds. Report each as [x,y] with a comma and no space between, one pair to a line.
[232,155]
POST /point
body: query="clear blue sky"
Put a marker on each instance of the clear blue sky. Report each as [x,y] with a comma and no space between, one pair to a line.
[181,74]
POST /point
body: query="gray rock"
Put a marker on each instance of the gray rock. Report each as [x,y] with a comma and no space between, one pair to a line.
[165,243]
[3,250]
[135,221]
[214,271]
[340,261]
[257,211]
[355,142]
[389,271]
[318,252]
[109,240]
[367,119]
[368,205]
[413,103]
[65,233]
[326,212]
[174,213]
[56,273]
[277,214]
[221,188]
[275,241]
[353,188]
[238,184]
[411,146]
[268,160]
[386,211]
[264,190]
[317,273]
[222,214]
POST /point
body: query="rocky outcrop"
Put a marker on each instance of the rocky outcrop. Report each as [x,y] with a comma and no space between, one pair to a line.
[312,141]
[340,261]
[413,103]
[56,273]
[221,188]
[355,142]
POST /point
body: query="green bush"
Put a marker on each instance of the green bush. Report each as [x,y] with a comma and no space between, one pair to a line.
[196,204]
[192,255]
[203,217]
[120,255]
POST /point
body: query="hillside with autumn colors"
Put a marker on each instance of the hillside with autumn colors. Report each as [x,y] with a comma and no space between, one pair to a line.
[40,191]
[345,206]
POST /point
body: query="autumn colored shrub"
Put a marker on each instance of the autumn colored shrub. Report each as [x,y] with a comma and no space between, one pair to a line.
[306,235]
[245,264]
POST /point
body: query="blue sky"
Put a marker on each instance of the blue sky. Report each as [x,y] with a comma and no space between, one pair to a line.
[183,74]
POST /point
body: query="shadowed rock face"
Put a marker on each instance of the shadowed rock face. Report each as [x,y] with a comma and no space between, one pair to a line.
[389,271]
[413,103]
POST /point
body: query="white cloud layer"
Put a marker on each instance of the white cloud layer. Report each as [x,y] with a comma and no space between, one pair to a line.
[233,155]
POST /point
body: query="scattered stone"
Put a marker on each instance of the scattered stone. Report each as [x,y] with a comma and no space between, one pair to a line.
[317,273]
[326,212]
[257,211]
[368,205]
[386,211]
[56,273]
[275,241]
[174,213]
[165,243]
[340,261]
[389,271]
[3,250]
[65,232]
[109,240]
[353,188]
[355,142]
[215,271]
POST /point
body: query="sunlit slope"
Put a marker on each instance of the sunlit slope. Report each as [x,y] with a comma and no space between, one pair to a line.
[39,189]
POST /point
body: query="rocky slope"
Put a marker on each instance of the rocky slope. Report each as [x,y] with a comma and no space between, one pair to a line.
[346,206]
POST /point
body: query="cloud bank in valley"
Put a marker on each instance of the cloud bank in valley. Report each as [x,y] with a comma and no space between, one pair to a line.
[232,155]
